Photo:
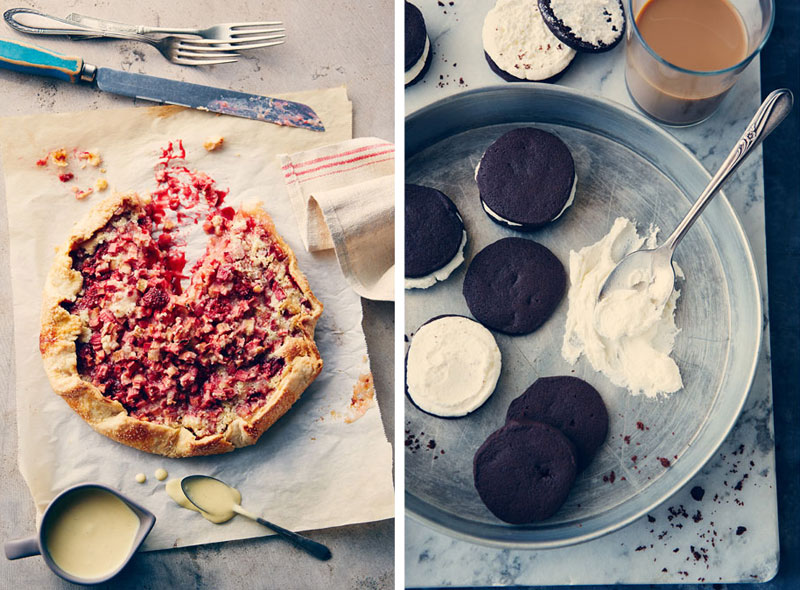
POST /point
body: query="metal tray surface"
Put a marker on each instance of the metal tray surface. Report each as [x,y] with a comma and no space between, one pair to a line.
[626,166]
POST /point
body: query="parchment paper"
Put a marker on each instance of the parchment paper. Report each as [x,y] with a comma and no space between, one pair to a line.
[312,469]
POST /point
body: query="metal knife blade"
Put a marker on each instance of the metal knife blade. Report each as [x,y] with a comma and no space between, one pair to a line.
[208,98]
[30,59]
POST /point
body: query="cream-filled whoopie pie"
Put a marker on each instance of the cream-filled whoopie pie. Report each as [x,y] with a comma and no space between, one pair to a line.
[418,52]
[452,366]
[526,179]
[519,47]
[435,237]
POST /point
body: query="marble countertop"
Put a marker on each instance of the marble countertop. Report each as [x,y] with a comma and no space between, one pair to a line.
[329,44]
[731,533]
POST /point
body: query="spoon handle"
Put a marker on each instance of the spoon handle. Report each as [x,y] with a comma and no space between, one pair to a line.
[768,116]
[318,550]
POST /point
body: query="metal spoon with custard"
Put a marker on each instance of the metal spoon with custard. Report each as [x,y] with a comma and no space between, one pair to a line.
[219,502]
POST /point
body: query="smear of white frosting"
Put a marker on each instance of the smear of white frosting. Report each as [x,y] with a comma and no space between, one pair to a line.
[627,336]
[415,70]
[440,274]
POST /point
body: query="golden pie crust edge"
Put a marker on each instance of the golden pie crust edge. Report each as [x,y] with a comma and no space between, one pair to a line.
[60,330]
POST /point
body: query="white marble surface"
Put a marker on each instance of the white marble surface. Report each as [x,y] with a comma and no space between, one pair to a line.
[329,44]
[684,540]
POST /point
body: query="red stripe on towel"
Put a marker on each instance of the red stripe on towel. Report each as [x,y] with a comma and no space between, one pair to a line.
[324,158]
[341,163]
[332,172]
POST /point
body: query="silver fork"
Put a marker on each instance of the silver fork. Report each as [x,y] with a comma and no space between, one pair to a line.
[179,50]
[185,52]
[238,36]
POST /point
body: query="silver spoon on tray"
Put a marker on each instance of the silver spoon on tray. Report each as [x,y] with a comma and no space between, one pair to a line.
[217,498]
[651,269]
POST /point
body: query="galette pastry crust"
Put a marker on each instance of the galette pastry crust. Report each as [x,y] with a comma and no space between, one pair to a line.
[240,419]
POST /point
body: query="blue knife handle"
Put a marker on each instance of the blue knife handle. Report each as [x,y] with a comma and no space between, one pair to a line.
[30,59]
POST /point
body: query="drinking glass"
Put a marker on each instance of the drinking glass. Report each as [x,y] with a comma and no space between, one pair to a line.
[677,96]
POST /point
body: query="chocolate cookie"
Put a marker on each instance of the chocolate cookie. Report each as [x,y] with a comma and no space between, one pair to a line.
[514,285]
[417,46]
[591,27]
[523,472]
[569,404]
[434,232]
[526,179]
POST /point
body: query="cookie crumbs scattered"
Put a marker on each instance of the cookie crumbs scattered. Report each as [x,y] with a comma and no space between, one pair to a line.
[101,184]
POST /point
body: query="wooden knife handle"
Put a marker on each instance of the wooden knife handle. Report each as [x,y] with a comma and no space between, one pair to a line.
[30,59]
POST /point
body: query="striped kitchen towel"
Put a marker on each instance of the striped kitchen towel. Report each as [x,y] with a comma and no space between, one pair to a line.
[343,198]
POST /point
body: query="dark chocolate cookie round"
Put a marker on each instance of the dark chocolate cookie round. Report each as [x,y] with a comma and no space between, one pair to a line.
[524,471]
[569,404]
[514,285]
[591,27]
[416,35]
[526,178]
[434,230]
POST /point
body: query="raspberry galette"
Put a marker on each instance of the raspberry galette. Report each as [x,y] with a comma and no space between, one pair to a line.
[178,372]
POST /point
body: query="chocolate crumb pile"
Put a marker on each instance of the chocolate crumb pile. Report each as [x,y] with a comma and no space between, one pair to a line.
[420,442]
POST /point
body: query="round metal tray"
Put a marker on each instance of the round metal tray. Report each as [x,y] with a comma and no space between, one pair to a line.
[626,166]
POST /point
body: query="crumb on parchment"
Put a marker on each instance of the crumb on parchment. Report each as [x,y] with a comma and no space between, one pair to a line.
[101,184]
[213,143]
[81,194]
[59,157]
[92,158]
[363,398]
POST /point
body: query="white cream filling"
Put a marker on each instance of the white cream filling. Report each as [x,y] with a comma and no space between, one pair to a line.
[627,336]
[491,213]
[452,367]
[442,273]
[517,39]
[418,67]
[592,21]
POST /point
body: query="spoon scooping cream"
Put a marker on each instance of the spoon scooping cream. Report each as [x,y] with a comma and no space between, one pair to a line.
[221,502]
[650,271]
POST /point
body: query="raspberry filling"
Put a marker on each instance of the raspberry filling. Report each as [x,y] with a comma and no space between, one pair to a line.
[196,358]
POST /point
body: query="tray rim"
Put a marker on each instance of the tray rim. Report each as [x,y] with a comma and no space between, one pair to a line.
[505,538]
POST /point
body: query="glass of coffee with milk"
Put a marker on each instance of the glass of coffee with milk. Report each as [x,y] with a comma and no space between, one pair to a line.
[683,56]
